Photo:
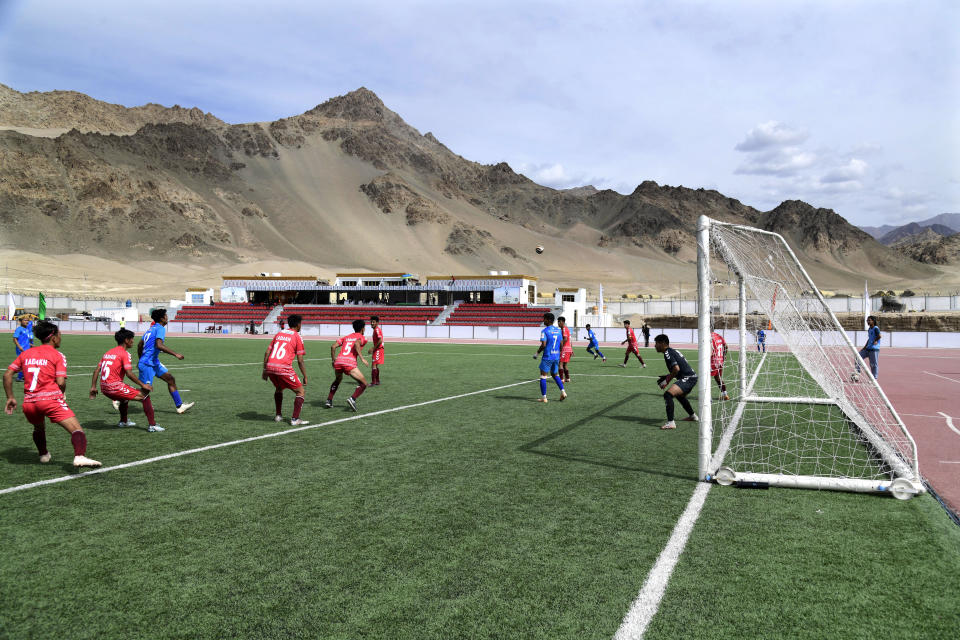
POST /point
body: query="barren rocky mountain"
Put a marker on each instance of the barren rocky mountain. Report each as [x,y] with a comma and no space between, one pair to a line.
[932,248]
[350,185]
[907,231]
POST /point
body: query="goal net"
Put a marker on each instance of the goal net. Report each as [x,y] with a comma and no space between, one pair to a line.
[803,410]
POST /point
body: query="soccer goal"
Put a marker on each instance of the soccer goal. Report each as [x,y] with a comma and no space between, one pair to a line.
[803,411]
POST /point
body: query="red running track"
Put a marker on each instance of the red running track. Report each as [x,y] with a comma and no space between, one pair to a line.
[924,387]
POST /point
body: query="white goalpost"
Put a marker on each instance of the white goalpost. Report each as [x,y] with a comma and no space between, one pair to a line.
[804,411]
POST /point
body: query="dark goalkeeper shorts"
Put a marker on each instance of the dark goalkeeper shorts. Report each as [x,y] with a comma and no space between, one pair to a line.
[686,384]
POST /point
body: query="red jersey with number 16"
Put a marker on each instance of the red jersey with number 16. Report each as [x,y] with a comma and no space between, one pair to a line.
[112,367]
[631,337]
[285,345]
[41,366]
[348,351]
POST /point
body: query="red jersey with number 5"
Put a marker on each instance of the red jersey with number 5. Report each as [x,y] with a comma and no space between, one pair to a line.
[41,366]
[285,346]
[348,348]
[113,364]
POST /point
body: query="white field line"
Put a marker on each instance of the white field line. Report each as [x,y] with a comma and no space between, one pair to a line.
[950,422]
[645,606]
[264,436]
[950,462]
[918,415]
[940,376]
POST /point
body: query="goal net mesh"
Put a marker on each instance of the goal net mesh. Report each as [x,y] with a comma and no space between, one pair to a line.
[804,404]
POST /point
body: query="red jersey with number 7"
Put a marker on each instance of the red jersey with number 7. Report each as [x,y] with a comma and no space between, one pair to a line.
[348,349]
[41,366]
[285,346]
[113,364]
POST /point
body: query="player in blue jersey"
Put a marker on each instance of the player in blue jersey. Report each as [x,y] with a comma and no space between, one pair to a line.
[22,340]
[551,342]
[148,364]
[871,350]
[761,340]
[594,346]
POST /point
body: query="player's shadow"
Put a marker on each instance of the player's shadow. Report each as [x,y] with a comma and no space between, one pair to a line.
[255,416]
[20,455]
[520,398]
[533,447]
[102,425]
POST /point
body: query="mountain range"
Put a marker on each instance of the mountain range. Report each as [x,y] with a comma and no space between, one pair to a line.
[170,196]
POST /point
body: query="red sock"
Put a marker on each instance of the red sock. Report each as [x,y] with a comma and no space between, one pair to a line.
[278,401]
[297,405]
[40,439]
[360,389]
[148,411]
[124,408]
[79,440]
[333,390]
[376,375]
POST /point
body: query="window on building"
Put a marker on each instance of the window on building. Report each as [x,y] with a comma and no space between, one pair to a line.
[348,283]
[568,298]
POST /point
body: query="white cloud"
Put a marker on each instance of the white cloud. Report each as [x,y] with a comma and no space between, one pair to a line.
[787,161]
[556,175]
[852,171]
[771,134]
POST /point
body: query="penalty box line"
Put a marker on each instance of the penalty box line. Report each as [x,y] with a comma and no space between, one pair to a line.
[186,452]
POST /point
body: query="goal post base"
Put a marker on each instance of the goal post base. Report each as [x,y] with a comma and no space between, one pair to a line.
[900,488]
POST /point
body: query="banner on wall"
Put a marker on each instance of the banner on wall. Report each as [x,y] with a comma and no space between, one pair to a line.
[233,294]
[506,295]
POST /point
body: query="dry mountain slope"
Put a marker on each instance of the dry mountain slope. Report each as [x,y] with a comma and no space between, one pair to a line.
[349,184]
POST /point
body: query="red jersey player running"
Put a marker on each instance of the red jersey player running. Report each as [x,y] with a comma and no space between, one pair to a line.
[377,349]
[632,345]
[346,362]
[113,366]
[718,353]
[45,379]
[278,368]
[566,350]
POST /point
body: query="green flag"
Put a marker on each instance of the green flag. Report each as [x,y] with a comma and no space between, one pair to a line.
[42,311]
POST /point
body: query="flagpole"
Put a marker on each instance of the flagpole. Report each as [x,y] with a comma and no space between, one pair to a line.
[866,305]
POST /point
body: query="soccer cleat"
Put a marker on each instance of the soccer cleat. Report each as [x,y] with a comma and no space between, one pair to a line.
[154,428]
[563,396]
[352,403]
[691,418]
[643,364]
[725,396]
[185,407]
[595,356]
[669,425]
[297,422]
[543,399]
[45,458]
[278,418]
[604,360]
[128,423]
[327,404]
[84,461]
[116,405]
[623,366]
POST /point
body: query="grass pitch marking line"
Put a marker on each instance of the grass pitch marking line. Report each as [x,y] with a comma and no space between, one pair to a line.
[950,423]
[137,463]
[929,373]
[645,606]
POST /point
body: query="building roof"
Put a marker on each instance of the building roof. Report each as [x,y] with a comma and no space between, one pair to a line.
[311,278]
[569,289]
[372,275]
[512,276]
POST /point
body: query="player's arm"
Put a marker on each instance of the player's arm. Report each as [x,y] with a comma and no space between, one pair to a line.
[266,357]
[362,359]
[140,349]
[303,368]
[664,381]
[333,353]
[543,345]
[62,383]
[8,388]
[16,343]
[135,380]
[93,382]
[162,347]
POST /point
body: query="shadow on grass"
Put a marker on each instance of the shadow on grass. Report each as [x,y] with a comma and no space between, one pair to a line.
[29,456]
[531,447]
[255,416]
[104,425]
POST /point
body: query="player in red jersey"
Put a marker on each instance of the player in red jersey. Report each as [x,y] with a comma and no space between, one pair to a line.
[346,362]
[113,366]
[278,368]
[718,353]
[566,350]
[632,346]
[377,350]
[45,380]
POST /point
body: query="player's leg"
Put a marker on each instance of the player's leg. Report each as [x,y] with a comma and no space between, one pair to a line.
[144,399]
[277,402]
[124,408]
[333,388]
[626,357]
[600,353]
[166,376]
[357,375]
[299,397]
[555,371]
[79,441]
[718,376]
[874,357]
[640,358]
[37,419]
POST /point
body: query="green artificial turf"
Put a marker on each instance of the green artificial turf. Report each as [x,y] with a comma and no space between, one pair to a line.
[484,516]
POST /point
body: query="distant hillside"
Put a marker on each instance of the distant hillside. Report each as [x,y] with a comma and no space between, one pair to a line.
[349,184]
[913,229]
[949,220]
[933,249]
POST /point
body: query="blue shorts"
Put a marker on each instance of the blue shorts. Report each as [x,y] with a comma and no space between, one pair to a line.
[551,367]
[593,345]
[148,371]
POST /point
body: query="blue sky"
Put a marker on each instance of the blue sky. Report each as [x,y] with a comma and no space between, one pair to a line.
[853,106]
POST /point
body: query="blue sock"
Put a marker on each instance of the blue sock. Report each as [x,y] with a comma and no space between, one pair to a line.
[176,398]
[543,386]
[555,379]
[600,353]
